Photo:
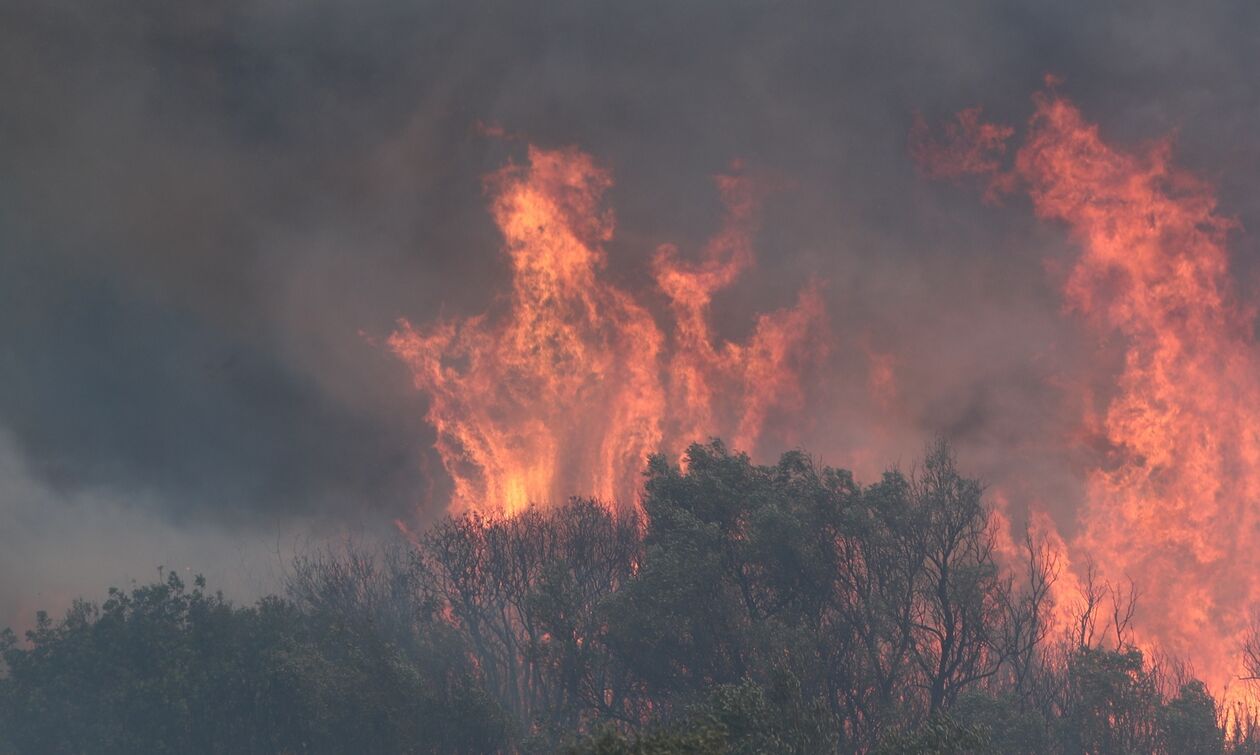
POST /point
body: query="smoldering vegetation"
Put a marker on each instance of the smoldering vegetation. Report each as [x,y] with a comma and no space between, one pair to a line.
[746,609]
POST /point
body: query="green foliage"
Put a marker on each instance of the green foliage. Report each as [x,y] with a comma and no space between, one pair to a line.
[1112,703]
[1190,722]
[939,735]
[734,719]
[163,669]
[701,739]
[738,557]
[1011,729]
[754,609]
[779,719]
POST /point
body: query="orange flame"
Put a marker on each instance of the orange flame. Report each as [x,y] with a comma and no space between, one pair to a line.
[576,384]
[1174,506]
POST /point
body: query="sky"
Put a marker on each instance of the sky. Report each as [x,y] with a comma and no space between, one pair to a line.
[212,214]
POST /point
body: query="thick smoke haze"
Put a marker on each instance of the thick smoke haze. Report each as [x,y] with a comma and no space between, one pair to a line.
[211,216]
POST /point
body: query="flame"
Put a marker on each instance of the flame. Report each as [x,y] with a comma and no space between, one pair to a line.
[1066,590]
[576,383]
[1174,503]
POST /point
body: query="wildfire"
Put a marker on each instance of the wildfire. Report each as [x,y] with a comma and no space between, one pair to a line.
[1174,503]
[577,380]
[576,383]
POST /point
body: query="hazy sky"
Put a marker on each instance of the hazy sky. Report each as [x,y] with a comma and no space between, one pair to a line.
[210,213]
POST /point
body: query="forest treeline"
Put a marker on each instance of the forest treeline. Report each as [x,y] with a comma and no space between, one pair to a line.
[747,609]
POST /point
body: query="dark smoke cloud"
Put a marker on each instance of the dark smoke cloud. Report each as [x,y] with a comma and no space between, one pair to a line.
[208,212]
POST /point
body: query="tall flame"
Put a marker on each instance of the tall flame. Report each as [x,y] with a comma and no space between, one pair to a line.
[576,383]
[1175,503]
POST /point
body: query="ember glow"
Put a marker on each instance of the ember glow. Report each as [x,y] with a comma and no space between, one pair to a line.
[576,382]
[1172,500]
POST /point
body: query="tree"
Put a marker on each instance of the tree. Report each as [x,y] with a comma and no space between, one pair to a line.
[939,735]
[960,594]
[1112,703]
[1010,727]
[164,669]
[751,608]
[523,592]
[1189,722]
[739,568]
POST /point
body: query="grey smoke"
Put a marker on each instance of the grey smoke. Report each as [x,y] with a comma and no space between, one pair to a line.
[209,211]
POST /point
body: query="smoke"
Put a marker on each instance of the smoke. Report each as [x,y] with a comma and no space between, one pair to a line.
[573,390]
[56,545]
[212,217]
[1171,491]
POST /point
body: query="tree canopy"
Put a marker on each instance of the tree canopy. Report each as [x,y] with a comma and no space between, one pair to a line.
[745,609]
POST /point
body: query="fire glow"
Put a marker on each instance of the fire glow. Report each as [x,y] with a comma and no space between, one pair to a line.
[1171,503]
[576,384]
